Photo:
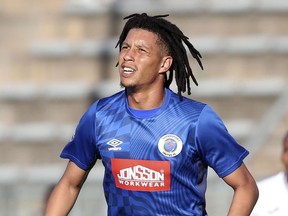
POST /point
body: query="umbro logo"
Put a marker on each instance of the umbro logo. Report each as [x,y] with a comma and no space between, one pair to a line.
[114,143]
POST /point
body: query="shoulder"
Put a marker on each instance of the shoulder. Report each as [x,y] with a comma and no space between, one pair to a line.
[114,100]
[271,181]
[187,104]
[203,114]
[272,196]
[273,185]
[104,104]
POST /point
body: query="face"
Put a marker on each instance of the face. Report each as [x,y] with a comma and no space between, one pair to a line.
[141,60]
[285,154]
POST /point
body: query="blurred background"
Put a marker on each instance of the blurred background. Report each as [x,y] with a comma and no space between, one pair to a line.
[57,57]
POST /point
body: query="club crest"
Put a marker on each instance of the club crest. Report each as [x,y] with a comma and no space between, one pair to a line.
[170,145]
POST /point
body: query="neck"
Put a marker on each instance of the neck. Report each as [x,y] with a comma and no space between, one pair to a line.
[145,100]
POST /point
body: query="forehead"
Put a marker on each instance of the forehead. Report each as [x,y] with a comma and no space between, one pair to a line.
[141,34]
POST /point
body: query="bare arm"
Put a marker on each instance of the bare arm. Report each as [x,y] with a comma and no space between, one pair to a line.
[66,191]
[245,191]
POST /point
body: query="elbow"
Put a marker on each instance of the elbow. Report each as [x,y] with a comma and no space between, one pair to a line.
[252,189]
[256,192]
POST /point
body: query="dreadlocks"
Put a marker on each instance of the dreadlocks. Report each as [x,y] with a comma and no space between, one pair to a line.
[173,39]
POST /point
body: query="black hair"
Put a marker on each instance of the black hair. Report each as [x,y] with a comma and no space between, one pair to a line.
[173,39]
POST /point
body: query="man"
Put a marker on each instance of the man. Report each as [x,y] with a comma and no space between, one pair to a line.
[155,145]
[273,190]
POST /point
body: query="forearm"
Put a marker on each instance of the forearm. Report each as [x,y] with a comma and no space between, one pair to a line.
[245,191]
[66,191]
[243,201]
[61,200]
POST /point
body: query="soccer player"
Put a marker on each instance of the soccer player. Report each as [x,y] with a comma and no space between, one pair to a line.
[273,190]
[155,145]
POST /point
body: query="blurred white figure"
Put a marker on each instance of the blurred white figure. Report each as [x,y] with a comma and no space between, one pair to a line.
[273,191]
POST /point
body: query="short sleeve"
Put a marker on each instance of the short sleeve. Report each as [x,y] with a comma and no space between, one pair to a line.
[82,148]
[216,146]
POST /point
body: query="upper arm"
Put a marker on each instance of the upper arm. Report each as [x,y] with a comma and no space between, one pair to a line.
[82,149]
[245,191]
[66,191]
[219,149]
[240,177]
[74,176]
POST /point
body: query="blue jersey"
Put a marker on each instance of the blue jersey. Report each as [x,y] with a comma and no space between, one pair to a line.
[155,161]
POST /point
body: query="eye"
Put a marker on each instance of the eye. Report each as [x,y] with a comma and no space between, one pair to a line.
[124,46]
[142,50]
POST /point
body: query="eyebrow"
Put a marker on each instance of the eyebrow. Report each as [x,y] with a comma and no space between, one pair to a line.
[124,43]
[138,45]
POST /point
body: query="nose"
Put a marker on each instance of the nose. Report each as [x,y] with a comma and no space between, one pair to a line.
[128,55]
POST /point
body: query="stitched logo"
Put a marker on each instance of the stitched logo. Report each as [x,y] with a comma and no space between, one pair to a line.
[114,143]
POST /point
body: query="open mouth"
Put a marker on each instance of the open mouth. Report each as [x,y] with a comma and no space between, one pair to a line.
[127,70]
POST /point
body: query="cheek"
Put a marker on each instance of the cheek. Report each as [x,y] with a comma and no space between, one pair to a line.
[151,65]
[120,57]
[285,158]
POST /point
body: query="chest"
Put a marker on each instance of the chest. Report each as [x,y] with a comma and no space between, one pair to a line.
[166,137]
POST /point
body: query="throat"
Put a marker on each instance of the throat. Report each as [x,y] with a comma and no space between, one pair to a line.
[145,101]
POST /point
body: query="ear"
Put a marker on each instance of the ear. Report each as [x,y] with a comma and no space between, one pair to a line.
[165,64]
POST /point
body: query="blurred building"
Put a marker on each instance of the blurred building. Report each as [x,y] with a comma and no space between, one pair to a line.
[57,57]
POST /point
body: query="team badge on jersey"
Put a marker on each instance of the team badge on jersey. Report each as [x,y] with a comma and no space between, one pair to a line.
[170,145]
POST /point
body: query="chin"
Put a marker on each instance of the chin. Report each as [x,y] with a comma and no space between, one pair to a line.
[127,85]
